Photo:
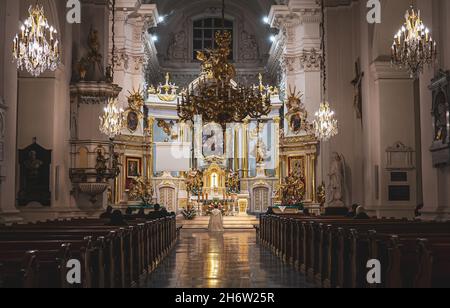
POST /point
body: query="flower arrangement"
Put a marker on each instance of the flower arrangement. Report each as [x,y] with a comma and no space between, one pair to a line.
[213,205]
[189,214]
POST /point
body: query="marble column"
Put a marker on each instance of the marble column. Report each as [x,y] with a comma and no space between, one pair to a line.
[245,149]
[434,185]
[393,142]
[133,19]
[298,46]
[8,81]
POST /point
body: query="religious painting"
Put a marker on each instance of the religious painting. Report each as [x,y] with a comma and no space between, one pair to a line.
[297,116]
[133,167]
[297,166]
[134,170]
[296,122]
[212,140]
[132,121]
[35,164]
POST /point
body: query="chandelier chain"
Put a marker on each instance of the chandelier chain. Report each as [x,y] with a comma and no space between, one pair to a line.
[215,96]
[323,47]
[113,52]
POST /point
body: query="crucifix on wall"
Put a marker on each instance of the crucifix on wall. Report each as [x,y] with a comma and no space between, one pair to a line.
[357,85]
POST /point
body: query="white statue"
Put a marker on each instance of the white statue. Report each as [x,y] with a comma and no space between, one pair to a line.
[336,188]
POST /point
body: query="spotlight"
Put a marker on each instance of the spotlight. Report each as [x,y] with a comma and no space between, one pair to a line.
[266,20]
[161,19]
[154,38]
[273,38]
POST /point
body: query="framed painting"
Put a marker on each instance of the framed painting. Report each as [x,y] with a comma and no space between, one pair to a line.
[212,140]
[297,165]
[133,170]
[132,121]
[134,167]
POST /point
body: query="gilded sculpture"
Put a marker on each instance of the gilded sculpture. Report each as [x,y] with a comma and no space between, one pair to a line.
[292,191]
[232,182]
[142,189]
[194,182]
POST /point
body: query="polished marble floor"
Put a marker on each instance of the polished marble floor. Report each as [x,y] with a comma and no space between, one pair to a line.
[228,260]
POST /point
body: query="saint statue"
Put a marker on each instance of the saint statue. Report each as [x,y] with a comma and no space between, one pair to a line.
[100,165]
[116,164]
[335,194]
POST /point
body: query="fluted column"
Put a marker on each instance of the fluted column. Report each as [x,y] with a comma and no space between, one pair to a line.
[236,148]
[245,150]
[276,132]
[133,20]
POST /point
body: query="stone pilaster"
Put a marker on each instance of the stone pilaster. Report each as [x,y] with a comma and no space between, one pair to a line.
[8,109]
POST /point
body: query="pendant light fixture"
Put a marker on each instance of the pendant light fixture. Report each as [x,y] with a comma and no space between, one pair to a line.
[325,123]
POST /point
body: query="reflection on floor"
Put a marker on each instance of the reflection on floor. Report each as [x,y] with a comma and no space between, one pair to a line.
[229,260]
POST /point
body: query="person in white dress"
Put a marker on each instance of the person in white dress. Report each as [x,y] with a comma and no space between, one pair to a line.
[216,220]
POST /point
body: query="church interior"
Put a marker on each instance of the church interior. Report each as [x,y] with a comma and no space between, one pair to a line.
[318,131]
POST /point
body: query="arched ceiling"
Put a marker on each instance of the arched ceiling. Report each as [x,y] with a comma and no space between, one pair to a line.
[250,30]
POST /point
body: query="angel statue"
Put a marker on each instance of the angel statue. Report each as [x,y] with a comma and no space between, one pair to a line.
[101,165]
[232,182]
[116,165]
[336,188]
[194,182]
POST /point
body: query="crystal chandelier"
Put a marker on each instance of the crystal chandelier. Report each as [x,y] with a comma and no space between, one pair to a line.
[112,121]
[413,46]
[216,97]
[325,123]
[36,48]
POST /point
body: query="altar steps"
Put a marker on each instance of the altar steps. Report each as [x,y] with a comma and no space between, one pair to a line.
[230,223]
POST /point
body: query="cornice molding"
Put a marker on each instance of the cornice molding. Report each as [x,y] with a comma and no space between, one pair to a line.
[384,70]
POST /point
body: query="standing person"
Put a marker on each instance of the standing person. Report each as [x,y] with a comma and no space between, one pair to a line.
[216,220]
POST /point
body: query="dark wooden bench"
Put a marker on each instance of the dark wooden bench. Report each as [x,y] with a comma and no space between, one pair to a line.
[120,256]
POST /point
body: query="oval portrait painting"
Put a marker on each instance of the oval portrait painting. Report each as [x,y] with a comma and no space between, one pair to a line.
[132,121]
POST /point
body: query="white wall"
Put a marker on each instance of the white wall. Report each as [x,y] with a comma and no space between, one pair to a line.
[342,53]
[43,109]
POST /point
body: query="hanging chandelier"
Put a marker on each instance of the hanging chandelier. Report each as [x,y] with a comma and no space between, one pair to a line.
[36,48]
[326,126]
[325,123]
[216,97]
[413,46]
[112,121]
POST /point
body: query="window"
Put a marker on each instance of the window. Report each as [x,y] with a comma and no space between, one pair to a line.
[205,31]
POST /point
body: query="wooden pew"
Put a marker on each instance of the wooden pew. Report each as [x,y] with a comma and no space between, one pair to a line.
[119,256]
[334,250]
[363,241]
[401,268]
[58,253]
[114,241]
[434,265]
[18,269]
